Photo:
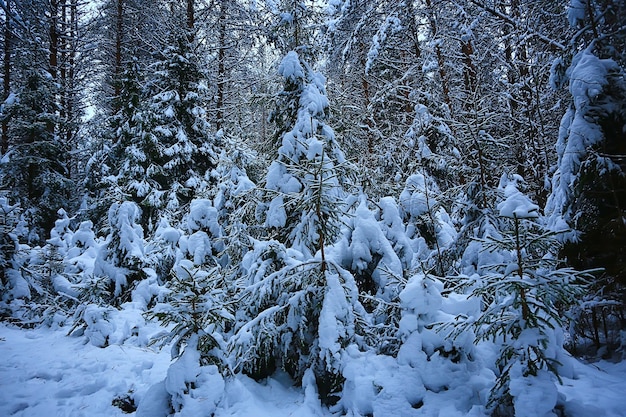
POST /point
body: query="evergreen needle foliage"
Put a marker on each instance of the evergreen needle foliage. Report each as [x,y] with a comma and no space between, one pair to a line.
[525,298]
[196,306]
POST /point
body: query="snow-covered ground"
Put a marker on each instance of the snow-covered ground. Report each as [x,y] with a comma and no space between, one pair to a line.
[44,373]
[598,389]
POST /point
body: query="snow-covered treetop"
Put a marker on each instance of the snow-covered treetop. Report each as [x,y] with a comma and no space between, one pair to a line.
[310,137]
[516,205]
[305,169]
[290,67]
[588,76]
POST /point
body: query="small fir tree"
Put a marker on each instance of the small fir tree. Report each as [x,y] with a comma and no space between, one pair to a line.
[198,307]
[524,294]
[9,245]
[300,305]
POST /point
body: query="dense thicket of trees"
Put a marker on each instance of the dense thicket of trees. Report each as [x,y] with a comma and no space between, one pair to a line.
[318,163]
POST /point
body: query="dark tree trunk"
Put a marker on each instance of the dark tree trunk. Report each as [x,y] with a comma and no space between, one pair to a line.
[440,58]
[191,20]
[221,67]
[117,70]
[54,39]
[8,35]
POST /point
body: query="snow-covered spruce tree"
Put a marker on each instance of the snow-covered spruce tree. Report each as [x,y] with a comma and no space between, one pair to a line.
[162,151]
[133,147]
[69,258]
[431,146]
[233,180]
[197,295]
[421,305]
[34,290]
[188,389]
[176,95]
[230,202]
[199,298]
[525,294]
[109,273]
[302,188]
[390,220]
[53,266]
[364,249]
[94,289]
[126,32]
[82,251]
[66,263]
[34,171]
[44,65]
[202,242]
[299,316]
[300,306]
[212,230]
[588,191]
[198,307]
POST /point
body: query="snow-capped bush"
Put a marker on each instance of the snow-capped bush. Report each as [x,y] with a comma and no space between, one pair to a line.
[427,219]
[122,257]
[98,326]
[365,251]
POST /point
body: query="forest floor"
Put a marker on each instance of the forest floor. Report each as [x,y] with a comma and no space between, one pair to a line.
[44,373]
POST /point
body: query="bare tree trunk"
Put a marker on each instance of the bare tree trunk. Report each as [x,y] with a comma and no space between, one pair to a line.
[54,39]
[53,50]
[190,14]
[8,35]
[445,87]
[70,85]
[63,45]
[469,69]
[117,70]
[221,66]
